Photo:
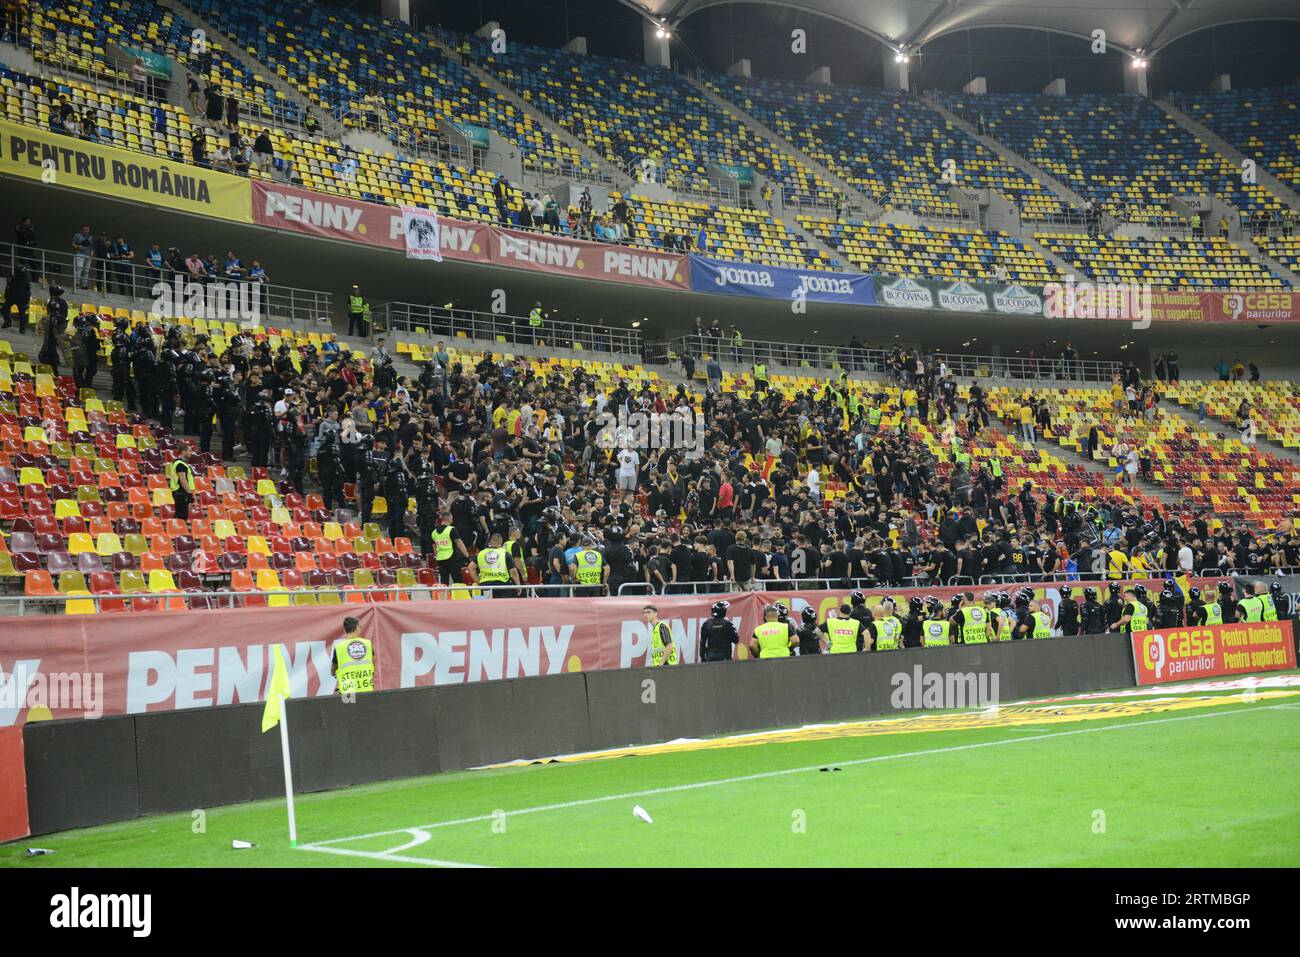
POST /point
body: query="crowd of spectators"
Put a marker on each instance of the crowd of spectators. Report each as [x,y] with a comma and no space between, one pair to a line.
[496,452]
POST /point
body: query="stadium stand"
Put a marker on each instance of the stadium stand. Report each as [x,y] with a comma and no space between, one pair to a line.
[1263,124]
[1124,152]
[888,144]
[939,251]
[1165,264]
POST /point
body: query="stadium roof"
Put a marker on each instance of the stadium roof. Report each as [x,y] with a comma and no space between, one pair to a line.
[1131,25]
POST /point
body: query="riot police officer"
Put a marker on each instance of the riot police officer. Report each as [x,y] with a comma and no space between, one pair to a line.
[397,494]
[1227,601]
[373,472]
[259,427]
[1114,605]
[1067,616]
[426,506]
[165,375]
[1093,613]
[204,405]
[226,399]
[120,357]
[144,363]
[1169,611]
[913,622]
[809,635]
[1196,609]
[718,636]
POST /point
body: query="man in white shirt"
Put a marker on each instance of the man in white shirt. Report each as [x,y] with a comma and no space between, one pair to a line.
[1185,558]
[628,464]
[814,482]
[282,405]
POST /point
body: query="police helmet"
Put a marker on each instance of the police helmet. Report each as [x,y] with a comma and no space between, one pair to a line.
[467,487]
[933,605]
[1090,594]
[915,603]
[1114,588]
[1067,591]
[782,610]
[1225,587]
[1169,587]
[720,608]
[1140,590]
[809,615]
[1194,594]
[1004,600]
[1275,589]
[857,598]
[1025,595]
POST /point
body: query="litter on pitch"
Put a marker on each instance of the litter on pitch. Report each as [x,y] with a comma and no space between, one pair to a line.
[642,813]
[241,845]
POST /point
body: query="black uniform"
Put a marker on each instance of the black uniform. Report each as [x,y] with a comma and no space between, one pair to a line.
[165,377]
[374,468]
[1093,617]
[396,493]
[810,640]
[1067,617]
[144,363]
[123,382]
[1114,608]
[1169,612]
[1196,612]
[718,639]
[912,630]
[204,404]
[329,467]
[259,426]
[227,403]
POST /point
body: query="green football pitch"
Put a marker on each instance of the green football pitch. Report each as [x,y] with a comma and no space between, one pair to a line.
[1200,779]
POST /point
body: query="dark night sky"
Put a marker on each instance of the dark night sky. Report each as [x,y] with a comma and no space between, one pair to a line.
[1255,54]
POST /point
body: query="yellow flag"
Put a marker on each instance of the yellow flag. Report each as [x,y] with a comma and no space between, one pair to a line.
[1184,584]
[279,689]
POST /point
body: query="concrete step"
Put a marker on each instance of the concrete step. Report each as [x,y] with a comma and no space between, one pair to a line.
[620,178]
[1005,153]
[1225,149]
[1213,426]
[329,126]
[870,207]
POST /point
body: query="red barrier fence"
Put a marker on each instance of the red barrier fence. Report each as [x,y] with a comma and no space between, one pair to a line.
[1212,651]
[76,666]
[13,786]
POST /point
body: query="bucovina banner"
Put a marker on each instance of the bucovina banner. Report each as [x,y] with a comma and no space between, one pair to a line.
[774,282]
[72,666]
[66,161]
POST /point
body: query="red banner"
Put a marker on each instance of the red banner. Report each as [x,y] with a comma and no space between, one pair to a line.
[87,666]
[337,217]
[13,786]
[1250,307]
[1211,651]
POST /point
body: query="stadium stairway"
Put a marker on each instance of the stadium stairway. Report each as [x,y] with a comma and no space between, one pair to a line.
[870,207]
[1225,149]
[329,125]
[1217,424]
[620,177]
[1007,154]
[1253,251]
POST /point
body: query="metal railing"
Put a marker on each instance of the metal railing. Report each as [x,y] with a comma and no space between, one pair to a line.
[548,171]
[450,322]
[876,362]
[306,307]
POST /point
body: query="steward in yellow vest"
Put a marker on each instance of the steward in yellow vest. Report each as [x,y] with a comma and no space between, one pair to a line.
[494,566]
[845,633]
[1042,621]
[442,543]
[353,661]
[662,650]
[975,622]
[1134,616]
[773,638]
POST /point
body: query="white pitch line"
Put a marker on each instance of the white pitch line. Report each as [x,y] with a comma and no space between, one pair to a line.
[418,837]
[385,856]
[762,775]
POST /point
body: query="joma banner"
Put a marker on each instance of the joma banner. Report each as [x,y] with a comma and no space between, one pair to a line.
[88,666]
[1211,651]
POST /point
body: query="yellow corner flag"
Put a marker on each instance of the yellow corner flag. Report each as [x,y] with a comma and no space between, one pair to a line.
[279,690]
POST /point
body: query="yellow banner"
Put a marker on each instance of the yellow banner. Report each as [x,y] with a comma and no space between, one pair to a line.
[67,161]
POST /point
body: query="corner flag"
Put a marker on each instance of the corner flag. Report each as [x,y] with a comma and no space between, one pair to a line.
[277,692]
[276,713]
